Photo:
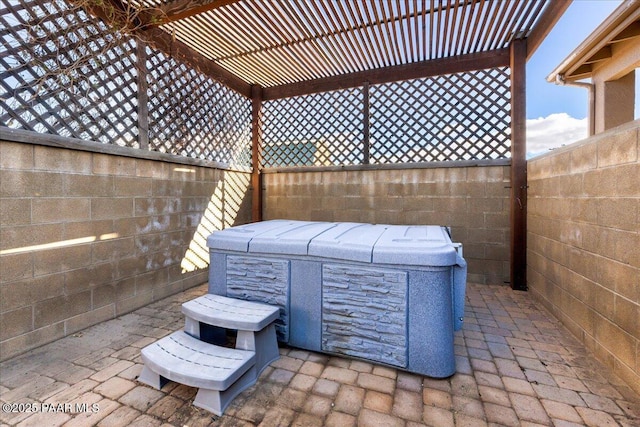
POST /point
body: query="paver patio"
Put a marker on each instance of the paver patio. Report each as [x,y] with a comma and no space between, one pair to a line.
[516,366]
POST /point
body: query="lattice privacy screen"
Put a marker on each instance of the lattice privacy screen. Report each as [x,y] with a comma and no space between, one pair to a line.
[454,117]
[195,116]
[43,89]
[95,101]
[313,130]
[460,116]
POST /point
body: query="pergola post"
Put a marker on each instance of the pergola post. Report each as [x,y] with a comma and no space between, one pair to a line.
[518,54]
[366,132]
[256,155]
[143,98]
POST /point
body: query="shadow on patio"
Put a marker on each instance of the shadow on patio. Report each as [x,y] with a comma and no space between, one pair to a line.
[516,365]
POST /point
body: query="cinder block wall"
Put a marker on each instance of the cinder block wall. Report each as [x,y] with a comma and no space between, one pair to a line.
[584,243]
[474,201]
[85,237]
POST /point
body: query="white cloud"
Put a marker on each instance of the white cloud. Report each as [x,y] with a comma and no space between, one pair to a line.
[554,131]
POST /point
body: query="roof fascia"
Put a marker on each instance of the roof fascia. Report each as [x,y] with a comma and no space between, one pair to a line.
[572,68]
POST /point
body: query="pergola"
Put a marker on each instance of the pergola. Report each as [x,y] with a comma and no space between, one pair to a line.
[268,51]
[297,47]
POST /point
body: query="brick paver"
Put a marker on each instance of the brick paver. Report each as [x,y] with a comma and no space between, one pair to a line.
[141,397]
[369,418]
[561,411]
[303,382]
[439,398]
[501,415]
[121,417]
[318,405]
[115,387]
[408,381]
[516,366]
[311,368]
[349,399]
[294,399]
[337,419]
[377,401]
[341,375]
[437,417]
[408,405]
[326,388]
[281,376]
[375,382]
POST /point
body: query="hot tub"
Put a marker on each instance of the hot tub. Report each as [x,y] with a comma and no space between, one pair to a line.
[389,294]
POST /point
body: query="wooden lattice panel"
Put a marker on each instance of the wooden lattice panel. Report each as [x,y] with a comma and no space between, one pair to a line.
[44,89]
[194,116]
[93,101]
[452,117]
[313,130]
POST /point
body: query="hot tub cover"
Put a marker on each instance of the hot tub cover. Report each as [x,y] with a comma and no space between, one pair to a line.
[423,245]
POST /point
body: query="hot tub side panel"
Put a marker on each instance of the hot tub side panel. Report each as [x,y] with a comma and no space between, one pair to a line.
[305,304]
[364,313]
[254,278]
[217,273]
[430,337]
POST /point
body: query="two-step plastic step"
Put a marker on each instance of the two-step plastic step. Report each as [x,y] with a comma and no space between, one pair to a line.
[220,373]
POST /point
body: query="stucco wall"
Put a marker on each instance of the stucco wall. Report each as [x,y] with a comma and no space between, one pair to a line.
[584,243]
[474,201]
[85,236]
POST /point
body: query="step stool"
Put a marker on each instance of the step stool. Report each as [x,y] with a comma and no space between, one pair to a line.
[254,322]
[219,373]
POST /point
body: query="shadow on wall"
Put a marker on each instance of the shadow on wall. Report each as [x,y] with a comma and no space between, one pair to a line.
[227,201]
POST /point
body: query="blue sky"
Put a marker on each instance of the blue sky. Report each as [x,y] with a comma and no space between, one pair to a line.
[557,114]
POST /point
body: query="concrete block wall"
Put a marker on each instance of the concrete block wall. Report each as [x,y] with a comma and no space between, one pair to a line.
[86,237]
[584,243]
[474,201]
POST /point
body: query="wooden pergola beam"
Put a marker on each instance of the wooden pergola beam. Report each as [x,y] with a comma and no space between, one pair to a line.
[430,68]
[180,9]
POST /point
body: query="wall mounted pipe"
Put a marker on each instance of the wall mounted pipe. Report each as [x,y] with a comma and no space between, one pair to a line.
[560,80]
